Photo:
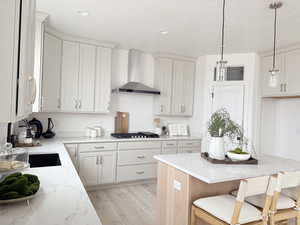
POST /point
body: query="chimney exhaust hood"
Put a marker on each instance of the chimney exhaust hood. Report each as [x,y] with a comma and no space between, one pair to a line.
[134,74]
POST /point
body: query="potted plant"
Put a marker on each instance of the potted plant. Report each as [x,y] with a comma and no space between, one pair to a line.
[219,126]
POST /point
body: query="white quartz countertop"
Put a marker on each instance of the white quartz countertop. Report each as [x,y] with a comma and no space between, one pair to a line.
[194,165]
[61,200]
[70,140]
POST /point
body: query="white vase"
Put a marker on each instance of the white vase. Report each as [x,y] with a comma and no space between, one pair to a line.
[216,148]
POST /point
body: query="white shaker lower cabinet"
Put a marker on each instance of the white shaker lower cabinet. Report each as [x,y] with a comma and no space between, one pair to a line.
[51,75]
[97,167]
[73,153]
[169,147]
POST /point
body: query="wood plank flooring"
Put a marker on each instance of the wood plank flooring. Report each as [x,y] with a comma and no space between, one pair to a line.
[126,205]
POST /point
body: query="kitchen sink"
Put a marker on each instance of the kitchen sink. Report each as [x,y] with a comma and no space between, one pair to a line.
[44,160]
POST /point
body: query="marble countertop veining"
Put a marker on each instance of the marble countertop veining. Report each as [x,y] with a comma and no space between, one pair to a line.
[194,165]
[61,200]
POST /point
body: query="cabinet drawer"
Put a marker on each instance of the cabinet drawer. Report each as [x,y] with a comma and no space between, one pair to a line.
[167,151]
[136,172]
[96,147]
[169,144]
[139,145]
[137,156]
[189,150]
[189,144]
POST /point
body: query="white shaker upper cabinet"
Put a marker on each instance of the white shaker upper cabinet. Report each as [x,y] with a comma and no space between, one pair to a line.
[103,80]
[267,64]
[51,73]
[163,82]
[87,72]
[292,83]
[183,88]
[70,72]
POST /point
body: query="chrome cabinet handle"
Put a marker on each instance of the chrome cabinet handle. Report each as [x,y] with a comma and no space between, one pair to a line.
[189,143]
[161,108]
[99,147]
[97,160]
[140,172]
[101,160]
[80,104]
[285,87]
[140,156]
[170,144]
[189,151]
[58,103]
[76,103]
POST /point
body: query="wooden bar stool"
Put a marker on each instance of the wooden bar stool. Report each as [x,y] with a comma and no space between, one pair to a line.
[290,181]
[226,209]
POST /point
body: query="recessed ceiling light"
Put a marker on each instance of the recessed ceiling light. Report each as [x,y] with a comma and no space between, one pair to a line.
[164,32]
[83,13]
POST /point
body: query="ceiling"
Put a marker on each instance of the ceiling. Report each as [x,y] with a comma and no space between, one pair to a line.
[193,25]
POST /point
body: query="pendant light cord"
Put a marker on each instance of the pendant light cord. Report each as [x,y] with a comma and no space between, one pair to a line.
[223,30]
[275,38]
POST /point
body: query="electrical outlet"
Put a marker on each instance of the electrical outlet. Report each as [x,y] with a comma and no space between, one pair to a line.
[177,185]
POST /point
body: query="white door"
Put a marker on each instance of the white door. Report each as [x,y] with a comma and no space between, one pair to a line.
[87,78]
[73,153]
[230,97]
[107,167]
[89,168]
[103,80]
[70,73]
[292,62]
[267,63]
[51,73]
[163,83]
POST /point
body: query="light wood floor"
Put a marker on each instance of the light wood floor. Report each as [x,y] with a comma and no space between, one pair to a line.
[126,205]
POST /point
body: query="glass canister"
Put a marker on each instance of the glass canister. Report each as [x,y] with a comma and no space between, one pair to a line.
[13,159]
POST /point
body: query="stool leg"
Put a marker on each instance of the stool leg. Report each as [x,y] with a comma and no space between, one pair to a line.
[193,216]
[272,220]
[298,219]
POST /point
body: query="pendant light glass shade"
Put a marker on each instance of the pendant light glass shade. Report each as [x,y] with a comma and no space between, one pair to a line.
[273,81]
[221,67]
[221,70]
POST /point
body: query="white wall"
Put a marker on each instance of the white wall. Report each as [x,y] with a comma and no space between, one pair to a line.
[139,106]
[281,128]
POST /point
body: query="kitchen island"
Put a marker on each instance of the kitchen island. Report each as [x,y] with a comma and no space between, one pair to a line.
[183,178]
[61,200]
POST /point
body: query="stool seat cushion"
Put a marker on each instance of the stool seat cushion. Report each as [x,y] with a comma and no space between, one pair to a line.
[222,207]
[283,202]
[291,192]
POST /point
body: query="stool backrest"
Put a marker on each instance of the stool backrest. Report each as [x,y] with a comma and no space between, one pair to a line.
[288,180]
[255,186]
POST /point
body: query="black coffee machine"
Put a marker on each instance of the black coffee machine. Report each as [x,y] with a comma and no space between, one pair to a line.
[49,132]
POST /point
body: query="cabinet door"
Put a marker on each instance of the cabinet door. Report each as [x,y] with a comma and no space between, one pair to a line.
[51,73]
[73,153]
[107,167]
[26,83]
[267,63]
[163,82]
[103,80]
[89,168]
[87,78]
[69,81]
[183,88]
[292,61]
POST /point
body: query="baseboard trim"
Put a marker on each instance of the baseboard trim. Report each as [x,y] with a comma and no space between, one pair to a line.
[117,185]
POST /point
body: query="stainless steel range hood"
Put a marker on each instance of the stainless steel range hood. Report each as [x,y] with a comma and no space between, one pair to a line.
[134,76]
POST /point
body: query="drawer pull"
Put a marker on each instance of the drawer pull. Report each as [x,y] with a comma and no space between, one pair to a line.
[189,151]
[189,143]
[170,144]
[140,172]
[99,147]
[140,156]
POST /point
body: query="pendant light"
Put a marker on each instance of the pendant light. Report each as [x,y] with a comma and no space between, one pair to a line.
[221,69]
[273,81]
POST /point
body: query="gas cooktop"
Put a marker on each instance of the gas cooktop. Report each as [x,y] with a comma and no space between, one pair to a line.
[135,135]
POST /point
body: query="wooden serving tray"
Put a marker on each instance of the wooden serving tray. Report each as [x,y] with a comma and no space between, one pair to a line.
[250,161]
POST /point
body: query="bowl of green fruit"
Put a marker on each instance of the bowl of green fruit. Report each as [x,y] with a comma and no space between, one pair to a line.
[18,187]
[238,155]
